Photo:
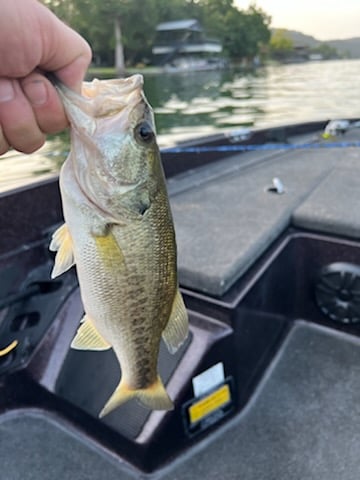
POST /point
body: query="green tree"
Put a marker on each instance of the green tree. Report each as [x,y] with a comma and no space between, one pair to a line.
[167,11]
[113,25]
[326,51]
[242,32]
[281,45]
[257,27]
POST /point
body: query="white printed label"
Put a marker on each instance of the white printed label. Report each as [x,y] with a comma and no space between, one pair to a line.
[208,379]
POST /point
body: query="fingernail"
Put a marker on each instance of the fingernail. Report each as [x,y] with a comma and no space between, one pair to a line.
[36,92]
[7,92]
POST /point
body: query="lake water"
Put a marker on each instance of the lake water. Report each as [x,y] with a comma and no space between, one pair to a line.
[198,103]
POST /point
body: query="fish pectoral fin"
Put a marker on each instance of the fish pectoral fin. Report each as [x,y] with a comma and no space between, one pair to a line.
[154,397]
[88,338]
[61,243]
[177,328]
[109,251]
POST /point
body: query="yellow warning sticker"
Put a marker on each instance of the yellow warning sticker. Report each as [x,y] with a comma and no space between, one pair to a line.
[210,403]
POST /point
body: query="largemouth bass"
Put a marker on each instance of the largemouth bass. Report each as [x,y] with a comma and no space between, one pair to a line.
[119,232]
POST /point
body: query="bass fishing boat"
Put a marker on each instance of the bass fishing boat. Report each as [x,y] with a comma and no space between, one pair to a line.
[266,386]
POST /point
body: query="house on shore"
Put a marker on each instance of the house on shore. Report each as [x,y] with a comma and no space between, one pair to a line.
[183,45]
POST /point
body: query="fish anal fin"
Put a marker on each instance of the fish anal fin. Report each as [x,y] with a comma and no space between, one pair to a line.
[62,244]
[88,338]
[154,397]
[177,328]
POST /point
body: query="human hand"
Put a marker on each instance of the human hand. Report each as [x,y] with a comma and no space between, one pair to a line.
[32,41]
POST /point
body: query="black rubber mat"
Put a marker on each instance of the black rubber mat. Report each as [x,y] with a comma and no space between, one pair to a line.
[303,422]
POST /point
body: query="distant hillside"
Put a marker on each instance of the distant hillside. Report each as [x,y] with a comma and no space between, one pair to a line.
[300,39]
[349,47]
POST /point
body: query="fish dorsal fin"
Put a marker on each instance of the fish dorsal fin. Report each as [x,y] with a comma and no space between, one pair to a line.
[88,338]
[177,328]
[61,243]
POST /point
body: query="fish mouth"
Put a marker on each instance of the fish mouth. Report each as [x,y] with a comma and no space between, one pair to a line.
[101,98]
[116,86]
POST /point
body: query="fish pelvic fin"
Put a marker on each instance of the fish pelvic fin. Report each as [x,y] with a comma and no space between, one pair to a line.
[177,328]
[61,243]
[154,397]
[88,338]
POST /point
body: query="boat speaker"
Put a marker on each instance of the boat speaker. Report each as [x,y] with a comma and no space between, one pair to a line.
[338,292]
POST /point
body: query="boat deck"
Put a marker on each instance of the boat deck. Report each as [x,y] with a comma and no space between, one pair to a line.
[226,217]
[252,265]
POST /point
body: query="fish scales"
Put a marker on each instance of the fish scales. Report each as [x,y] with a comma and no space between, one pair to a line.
[120,234]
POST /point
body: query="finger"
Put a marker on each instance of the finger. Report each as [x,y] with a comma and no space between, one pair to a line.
[73,74]
[45,102]
[35,37]
[65,52]
[17,118]
[4,146]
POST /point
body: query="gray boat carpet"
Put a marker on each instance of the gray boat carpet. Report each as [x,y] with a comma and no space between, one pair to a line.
[230,212]
[303,422]
[225,208]
[33,447]
[334,206]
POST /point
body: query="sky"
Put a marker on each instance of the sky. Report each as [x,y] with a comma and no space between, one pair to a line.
[323,19]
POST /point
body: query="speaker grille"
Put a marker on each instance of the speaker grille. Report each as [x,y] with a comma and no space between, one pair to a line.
[338,292]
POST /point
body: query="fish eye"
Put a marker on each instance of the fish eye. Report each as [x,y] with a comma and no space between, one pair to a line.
[144,133]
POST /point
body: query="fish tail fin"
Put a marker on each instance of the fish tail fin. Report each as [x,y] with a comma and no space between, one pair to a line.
[154,397]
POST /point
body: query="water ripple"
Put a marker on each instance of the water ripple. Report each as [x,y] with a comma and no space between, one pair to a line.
[192,104]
